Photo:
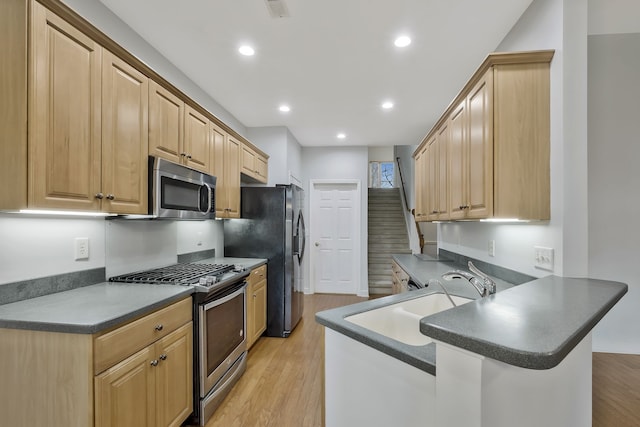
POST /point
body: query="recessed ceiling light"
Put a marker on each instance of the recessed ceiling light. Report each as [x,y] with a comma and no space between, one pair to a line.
[387,105]
[341,135]
[284,108]
[246,50]
[402,41]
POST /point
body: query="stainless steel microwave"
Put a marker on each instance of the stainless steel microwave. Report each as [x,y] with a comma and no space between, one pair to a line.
[179,192]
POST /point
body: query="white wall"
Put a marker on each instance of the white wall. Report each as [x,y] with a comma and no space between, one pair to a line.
[381,154]
[34,246]
[39,246]
[338,163]
[106,21]
[614,176]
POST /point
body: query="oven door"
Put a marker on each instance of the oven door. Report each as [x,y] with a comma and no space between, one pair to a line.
[222,335]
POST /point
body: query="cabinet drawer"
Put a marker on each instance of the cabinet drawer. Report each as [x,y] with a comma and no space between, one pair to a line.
[259,274]
[114,346]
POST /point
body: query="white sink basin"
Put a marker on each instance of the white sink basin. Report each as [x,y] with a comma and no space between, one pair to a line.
[401,321]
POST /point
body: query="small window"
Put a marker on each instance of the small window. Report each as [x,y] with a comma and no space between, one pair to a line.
[381,174]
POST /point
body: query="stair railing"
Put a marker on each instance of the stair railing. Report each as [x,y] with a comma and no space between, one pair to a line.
[413,211]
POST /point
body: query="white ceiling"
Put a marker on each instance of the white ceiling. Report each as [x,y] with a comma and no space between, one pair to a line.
[332,61]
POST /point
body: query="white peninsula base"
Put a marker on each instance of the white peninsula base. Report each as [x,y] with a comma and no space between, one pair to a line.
[365,387]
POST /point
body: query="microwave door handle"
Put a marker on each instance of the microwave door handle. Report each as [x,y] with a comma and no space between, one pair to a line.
[209,199]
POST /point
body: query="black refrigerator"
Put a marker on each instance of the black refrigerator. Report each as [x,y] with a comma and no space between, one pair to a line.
[272,227]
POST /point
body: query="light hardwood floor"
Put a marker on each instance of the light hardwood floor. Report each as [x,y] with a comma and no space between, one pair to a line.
[282,386]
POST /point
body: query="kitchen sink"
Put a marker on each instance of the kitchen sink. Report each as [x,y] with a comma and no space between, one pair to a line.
[401,321]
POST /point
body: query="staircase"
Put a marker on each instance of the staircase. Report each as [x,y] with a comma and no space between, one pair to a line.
[387,236]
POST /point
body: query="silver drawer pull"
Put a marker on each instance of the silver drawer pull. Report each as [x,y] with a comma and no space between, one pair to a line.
[154,362]
[159,327]
[163,357]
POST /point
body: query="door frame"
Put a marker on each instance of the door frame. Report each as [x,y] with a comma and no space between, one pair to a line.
[361,288]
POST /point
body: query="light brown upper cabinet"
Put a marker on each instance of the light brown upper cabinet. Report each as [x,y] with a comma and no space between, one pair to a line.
[65,153]
[197,148]
[79,116]
[253,164]
[125,131]
[423,187]
[178,132]
[166,123]
[497,143]
[88,123]
[431,171]
[226,168]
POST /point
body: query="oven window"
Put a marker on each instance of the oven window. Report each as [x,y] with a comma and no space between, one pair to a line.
[180,195]
[225,330]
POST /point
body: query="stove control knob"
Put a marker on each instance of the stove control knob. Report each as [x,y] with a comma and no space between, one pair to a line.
[211,280]
[238,267]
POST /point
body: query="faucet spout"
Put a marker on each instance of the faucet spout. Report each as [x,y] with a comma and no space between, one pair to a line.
[484,285]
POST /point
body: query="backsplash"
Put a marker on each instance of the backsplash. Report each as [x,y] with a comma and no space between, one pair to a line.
[37,252]
[502,273]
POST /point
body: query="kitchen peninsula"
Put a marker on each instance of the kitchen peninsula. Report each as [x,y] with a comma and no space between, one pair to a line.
[519,357]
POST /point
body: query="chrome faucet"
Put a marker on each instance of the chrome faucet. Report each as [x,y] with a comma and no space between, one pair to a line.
[484,284]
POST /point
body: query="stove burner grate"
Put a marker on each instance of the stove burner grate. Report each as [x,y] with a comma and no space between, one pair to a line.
[179,274]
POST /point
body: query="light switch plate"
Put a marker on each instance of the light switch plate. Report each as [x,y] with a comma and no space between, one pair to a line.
[492,248]
[543,258]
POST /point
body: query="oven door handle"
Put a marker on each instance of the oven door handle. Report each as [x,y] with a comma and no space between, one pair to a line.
[224,299]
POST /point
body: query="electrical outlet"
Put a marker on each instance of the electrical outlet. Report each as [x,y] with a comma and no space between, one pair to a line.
[543,258]
[492,248]
[81,248]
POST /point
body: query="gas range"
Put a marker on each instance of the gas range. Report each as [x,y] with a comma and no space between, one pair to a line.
[204,278]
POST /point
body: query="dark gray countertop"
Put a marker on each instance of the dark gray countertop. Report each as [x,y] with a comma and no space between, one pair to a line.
[95,308]
[89,309]
[534,325]
[553,314]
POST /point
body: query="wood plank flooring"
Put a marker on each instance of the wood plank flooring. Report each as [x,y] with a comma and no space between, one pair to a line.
[282,386]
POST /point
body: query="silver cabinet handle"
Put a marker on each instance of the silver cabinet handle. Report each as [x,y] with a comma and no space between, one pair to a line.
[154,362]
[110,196]
[163,357]
[317,244]
[159,327]
[99,196]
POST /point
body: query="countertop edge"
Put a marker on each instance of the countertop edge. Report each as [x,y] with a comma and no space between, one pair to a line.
[96,327]
[420,357]
[519,357]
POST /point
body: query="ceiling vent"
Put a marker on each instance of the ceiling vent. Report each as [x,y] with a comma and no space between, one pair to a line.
[277,8]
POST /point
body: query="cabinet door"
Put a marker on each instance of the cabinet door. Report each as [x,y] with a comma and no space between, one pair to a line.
[125,393]
[218,144]
[125,110]
[422,185]
[174,381]
[248,161]
[232,177]
[262,168]
[432,160]
[166,116]
[480,148]
[197,149]
[259,297]
[64,115]
[442,142]
[457,163]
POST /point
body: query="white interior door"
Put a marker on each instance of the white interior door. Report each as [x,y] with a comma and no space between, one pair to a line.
[335,237]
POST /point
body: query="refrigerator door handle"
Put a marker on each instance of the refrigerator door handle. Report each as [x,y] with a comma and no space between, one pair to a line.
[301,231]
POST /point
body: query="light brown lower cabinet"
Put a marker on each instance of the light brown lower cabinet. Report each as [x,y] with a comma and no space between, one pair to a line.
[256,304]
[151,388]
[399,279]
[138,374]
